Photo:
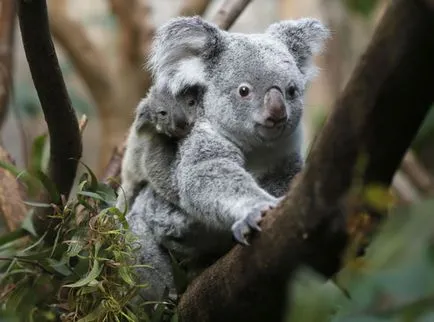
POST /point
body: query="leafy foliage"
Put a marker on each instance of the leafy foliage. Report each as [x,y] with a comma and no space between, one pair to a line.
[89,272]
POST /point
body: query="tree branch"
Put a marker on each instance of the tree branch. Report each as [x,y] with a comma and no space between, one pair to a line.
[112,171]
[194,7]
[65,139]
[229,13]
[136,34]
[378,113]
[7,29]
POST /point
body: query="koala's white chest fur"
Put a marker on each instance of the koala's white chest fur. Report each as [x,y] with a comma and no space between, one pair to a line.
[262,161]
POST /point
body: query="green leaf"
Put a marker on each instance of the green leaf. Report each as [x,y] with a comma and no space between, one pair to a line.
[95,315]
[36,156]
[27,223]
[77,243]
[94,179]
[59,266]
[174,318]
[10,167]
[15,299]
[158,313]
[130,316]
[125,274]
[90,194]
[12,236]
[179,275]
[93,274]
[49,186]
[108,193]
[29,181]
[37,204]
[116,212]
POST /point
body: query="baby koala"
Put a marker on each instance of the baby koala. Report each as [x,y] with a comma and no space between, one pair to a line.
[161,120]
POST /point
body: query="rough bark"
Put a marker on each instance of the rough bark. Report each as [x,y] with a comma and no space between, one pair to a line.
[7,28]
[63,129]
[12,207]
[378,113]
[229,12]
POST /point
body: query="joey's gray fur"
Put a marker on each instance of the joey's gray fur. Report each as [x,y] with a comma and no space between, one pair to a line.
[245,148]
[160,120]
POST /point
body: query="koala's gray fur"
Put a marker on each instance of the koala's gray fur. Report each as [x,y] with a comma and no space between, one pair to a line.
[160,120]
[239,157]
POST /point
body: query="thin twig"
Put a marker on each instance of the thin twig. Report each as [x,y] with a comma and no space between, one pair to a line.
[112,171]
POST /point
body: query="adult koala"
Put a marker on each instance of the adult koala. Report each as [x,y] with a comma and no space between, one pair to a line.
[246,147]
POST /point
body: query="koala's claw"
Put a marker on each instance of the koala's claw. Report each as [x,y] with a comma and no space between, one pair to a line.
[250,222]
[239,237]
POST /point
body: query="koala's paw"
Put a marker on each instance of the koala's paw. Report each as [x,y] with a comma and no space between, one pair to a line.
[250,222]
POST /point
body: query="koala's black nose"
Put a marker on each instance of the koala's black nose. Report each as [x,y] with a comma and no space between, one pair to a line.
[179,119]
[275,109]
[181,123]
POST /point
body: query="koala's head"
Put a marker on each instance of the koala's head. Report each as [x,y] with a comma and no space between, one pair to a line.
[170,114]
[255,82]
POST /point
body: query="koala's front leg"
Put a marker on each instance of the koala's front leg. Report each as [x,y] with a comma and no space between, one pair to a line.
[215,187]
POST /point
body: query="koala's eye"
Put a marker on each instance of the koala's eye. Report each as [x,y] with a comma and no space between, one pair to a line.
[291,91]
[244,90]
[191,102]
[162,113]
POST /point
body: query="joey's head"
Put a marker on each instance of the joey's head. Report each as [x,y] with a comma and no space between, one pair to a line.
[255,82]
[170,114]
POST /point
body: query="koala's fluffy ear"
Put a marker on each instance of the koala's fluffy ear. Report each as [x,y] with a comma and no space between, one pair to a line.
[304,38]
[143,116]
[181,49]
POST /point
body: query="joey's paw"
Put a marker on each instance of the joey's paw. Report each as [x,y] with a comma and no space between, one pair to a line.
[249,222]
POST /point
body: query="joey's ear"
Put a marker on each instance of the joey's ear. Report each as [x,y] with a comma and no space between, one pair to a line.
[143,115]
[182,48]
[304,38]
